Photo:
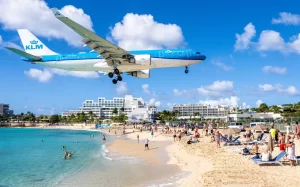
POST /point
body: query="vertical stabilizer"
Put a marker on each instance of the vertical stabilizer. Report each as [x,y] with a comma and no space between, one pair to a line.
[33,45]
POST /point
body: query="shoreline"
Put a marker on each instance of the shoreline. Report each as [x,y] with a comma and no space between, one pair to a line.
[196,164]
[173,153]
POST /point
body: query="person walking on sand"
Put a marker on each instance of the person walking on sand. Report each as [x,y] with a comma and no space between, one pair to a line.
[218,138]
[138,138]
[115,132]
[297,130]
[152,133]
[146,144]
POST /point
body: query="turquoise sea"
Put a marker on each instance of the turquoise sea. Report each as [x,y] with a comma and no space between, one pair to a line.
[34,157]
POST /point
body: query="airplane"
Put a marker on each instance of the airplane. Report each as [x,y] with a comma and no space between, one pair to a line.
[105,57]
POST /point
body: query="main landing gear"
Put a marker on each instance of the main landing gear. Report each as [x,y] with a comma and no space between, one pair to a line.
[118,78]
[186,71]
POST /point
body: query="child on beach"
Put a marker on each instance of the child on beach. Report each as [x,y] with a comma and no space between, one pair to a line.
[291,152]
[146,144]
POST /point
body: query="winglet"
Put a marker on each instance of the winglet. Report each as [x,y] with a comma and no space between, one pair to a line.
[57,13]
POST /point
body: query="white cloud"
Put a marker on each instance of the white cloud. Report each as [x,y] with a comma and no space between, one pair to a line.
[185,93]
[46,74]
[216,89]
[291,90]
[245,106]
[270,40]
[149,92]
[232,101]
[37,17]
[273,69]
[121,88]
[142,32]
[266,87]
[258,103]
[222,65]
[243,40]
[170,105]
[80,74]
[41,76]
[154,102]
[8,44]
[287,19]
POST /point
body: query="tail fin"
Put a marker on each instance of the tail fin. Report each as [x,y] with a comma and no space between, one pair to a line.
[32,44]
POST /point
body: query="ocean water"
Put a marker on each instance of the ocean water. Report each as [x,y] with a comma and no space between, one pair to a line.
[27,161]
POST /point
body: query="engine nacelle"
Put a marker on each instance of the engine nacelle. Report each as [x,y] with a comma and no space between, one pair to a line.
[144,60]
[141,74]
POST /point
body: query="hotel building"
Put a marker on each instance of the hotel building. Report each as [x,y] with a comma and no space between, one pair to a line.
[135,108]
[202,111]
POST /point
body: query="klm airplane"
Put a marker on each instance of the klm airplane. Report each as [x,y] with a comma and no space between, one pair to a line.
[105,57]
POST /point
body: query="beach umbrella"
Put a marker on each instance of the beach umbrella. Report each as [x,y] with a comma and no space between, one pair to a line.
[231,131]
[270,143]
[258,127]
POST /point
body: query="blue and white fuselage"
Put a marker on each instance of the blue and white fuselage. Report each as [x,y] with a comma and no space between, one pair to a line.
[105,56]
[95,62]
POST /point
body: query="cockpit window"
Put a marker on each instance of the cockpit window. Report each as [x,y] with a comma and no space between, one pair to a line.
[198,53]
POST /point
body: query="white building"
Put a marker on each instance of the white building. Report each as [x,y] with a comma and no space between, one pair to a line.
[257,116]
[134,108]
[202,111]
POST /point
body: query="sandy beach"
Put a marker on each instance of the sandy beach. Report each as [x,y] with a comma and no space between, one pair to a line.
[206,164]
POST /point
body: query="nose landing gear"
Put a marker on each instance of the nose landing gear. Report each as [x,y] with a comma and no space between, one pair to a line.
[186,71]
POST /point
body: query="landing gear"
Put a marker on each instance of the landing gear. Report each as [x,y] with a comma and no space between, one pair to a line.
[111,75]
[116,71]
[186,71]
[118,76]
[115,81]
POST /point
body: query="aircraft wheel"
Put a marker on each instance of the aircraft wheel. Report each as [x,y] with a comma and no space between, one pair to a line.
[116,71]
[120,78]
[110,74]
[186,71]
[115,81]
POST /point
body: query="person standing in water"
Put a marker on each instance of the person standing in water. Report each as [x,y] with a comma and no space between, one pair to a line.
[104,139]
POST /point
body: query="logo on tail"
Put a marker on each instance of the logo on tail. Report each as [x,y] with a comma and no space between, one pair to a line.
[34,45]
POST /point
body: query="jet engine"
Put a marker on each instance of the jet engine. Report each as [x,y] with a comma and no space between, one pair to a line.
[141,74]
[140,59]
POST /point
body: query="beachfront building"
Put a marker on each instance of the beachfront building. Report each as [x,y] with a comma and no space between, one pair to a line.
[4,109]
[135,108]
[253,116]
[186,111]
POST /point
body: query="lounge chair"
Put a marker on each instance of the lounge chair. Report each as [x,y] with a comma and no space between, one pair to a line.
[297,159]
[275,160]
[261,141]
[224,139]
[233,142]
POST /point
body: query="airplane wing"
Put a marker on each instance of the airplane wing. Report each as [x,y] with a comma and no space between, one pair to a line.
[24,54]
[109,51]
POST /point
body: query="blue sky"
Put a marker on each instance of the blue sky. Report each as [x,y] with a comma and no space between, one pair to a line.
[262,67]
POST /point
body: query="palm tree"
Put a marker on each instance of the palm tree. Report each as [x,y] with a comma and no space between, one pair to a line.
[115,111]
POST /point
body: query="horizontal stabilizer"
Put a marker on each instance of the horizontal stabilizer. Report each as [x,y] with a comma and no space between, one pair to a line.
[24,54]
